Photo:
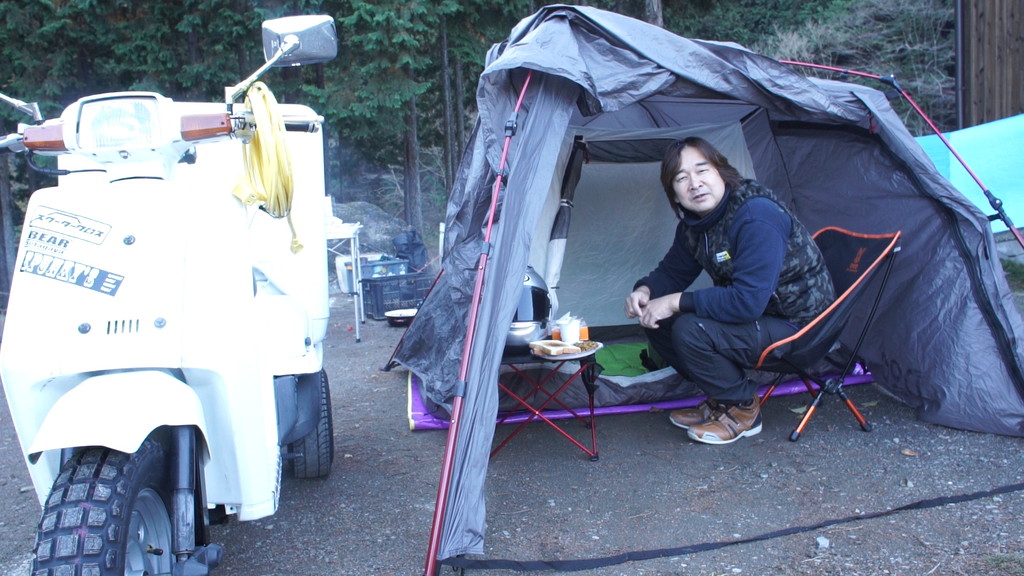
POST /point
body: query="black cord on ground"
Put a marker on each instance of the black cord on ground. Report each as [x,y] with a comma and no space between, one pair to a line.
[591,563]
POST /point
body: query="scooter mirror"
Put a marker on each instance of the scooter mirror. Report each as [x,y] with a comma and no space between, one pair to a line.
[316,36]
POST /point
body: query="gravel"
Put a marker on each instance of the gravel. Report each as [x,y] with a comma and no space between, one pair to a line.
[825,505]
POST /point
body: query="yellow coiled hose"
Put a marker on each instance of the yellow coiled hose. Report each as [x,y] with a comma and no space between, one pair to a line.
[268,167]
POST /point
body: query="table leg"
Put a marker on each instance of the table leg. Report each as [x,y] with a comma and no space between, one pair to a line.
[588,367]
[587,373]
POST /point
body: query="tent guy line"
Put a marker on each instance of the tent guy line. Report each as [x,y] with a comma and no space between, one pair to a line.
[601,562]
[993,201]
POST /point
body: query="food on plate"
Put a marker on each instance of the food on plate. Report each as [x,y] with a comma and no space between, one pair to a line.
[553,348]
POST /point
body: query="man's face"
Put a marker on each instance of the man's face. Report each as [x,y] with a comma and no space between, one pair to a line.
[698,185]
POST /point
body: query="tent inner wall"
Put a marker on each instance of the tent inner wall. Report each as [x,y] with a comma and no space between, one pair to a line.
[621,226]
[621,223]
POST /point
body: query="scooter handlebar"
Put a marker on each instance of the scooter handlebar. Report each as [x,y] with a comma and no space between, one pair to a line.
[12,143]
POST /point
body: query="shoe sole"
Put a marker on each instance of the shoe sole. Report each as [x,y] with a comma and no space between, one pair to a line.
[712,439]
[677,424]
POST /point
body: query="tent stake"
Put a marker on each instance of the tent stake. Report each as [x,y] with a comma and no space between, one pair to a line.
[437,524]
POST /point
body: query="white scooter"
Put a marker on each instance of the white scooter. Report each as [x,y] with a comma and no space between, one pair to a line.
[162,352]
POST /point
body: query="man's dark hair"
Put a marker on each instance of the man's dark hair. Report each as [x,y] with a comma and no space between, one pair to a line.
[671,161]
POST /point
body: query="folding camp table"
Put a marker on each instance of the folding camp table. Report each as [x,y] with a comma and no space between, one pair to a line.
[550,365]
[338,233]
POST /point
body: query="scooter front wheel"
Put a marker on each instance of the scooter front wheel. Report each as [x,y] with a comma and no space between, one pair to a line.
[107,515]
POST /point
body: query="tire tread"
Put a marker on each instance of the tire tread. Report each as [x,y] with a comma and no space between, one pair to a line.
[80,531]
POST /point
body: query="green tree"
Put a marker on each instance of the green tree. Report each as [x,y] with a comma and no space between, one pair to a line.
[400,96]
[745,22]
[384,42]
[402,86]
[463,37]
[911,41]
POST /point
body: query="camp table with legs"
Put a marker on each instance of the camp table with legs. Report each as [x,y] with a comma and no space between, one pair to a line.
[585,372]
[338,233]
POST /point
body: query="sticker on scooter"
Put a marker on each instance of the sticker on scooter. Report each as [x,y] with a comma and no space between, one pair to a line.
[71,272]
[47,242]
[73,225]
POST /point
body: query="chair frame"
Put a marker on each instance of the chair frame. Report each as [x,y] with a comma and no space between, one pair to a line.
[832,385]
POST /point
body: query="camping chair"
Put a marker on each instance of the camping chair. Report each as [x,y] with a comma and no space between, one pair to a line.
[853,261]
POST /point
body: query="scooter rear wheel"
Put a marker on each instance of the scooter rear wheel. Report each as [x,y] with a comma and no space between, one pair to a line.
[314,454]
[107,515]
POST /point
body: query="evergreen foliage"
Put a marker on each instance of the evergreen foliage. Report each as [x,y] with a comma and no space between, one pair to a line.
[400,56]
[910,40]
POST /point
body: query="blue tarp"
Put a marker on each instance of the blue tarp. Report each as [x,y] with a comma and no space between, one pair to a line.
[994,152]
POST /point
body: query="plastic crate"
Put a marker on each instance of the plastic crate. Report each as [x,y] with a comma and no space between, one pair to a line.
[390,267]
[396,292]
[369,269]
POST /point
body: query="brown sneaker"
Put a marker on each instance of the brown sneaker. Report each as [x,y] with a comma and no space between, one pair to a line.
[728,424]
[686,417]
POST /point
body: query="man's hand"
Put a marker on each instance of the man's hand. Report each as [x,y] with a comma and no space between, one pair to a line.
[659,309]
[637,301]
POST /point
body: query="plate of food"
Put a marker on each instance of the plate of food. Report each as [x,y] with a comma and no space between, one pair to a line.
[558,350]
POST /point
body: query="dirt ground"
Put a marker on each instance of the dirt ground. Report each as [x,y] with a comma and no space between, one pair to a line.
[652,489]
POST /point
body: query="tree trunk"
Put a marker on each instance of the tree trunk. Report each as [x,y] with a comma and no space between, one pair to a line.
[8,246]
[450,150]
[460,114]
[413,202]
[653,13]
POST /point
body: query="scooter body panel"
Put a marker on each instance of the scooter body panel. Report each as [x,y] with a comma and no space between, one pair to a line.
[145,400]
[169,301]
[147,276]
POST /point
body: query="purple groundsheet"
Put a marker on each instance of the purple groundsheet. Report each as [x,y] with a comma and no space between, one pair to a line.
[421,419]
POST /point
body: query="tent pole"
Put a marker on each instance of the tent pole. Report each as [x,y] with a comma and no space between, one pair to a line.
[437,524]
[993,201]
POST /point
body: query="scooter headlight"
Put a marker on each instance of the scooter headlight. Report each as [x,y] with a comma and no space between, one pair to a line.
[123,123]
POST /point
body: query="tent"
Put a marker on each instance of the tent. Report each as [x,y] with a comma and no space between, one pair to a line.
[947,338]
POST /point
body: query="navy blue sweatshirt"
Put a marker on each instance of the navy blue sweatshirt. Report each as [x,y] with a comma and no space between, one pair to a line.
[758,235]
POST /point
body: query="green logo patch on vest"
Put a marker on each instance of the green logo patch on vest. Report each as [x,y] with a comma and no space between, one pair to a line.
[722,256]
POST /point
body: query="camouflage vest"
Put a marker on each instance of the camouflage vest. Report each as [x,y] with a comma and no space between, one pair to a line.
[804,288]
